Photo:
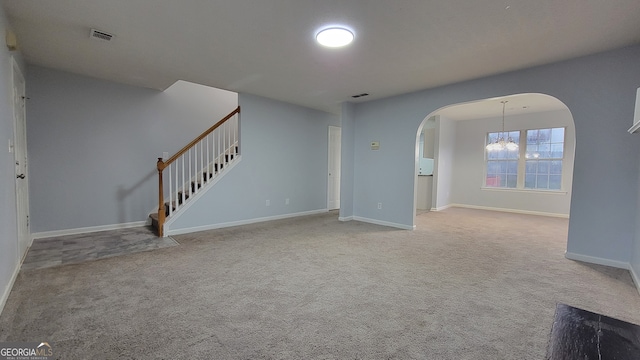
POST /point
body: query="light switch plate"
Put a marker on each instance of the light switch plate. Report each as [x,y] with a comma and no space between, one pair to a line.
[375,145]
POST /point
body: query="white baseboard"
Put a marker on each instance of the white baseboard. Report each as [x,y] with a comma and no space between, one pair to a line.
[90,229]
[384,223]
[7,289]
[170,232]
[606,262]
[516,211]
[597,260]
[346,218]
[441,208]
[635,277]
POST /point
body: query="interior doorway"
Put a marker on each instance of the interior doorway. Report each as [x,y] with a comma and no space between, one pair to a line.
[539,173]
[426,154]
[19,149]
[333,182]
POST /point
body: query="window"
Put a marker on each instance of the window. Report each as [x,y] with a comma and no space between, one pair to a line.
[502,165]
[544,154]
[536,165]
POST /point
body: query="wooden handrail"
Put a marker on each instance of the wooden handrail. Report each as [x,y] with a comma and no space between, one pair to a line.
[163,164]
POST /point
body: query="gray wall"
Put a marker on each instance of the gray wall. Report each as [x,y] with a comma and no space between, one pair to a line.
[8,233]
[346,163]
[599,91]
[284,155]
[469,165]
[635,256]
[378,174]
[93,145]
[445,148]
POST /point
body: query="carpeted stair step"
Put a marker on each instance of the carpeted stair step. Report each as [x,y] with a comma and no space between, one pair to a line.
[154,220]
[206,176]
[194,184]
[186,196]
[166,207]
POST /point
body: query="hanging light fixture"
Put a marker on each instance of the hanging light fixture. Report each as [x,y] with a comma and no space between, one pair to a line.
[500,143]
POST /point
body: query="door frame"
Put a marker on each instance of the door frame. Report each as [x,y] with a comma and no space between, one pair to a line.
[20,147]
[337,157]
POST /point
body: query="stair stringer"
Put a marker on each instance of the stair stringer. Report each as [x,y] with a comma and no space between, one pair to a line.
[201,191]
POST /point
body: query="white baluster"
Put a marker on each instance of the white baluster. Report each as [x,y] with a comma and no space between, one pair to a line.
[189,178]
[195,169]
[183,191]
[224,145]
[214,146]
[219,144]
[202,169]
[195,165]
[234,131]
[170,191]
[226,137]
[176,189]
[221,154]
[208,159]
[239,127]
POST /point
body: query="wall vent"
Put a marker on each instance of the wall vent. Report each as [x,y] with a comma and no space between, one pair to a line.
[100,35]
[359,95]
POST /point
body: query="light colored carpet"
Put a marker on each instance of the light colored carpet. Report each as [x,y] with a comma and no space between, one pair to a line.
[467,284]
[78,248]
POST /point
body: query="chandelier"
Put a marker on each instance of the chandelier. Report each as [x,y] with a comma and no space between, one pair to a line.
[500,143]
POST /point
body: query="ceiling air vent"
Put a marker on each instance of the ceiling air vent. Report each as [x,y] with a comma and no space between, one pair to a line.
[359,95]
[100,35]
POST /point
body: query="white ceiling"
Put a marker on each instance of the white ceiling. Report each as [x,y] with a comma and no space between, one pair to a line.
[518,104]
[267,48]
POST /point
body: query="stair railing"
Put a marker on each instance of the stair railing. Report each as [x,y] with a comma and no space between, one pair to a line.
[196,164]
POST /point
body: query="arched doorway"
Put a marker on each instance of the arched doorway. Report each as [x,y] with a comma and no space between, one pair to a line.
[535,179]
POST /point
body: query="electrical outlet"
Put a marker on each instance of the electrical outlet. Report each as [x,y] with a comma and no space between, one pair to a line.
[286,201]
[379,206]
[268,202]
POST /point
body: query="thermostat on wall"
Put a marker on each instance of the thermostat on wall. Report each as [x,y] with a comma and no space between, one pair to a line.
[375,145]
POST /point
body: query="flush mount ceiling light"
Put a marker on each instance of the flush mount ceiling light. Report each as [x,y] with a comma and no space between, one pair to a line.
[334,37]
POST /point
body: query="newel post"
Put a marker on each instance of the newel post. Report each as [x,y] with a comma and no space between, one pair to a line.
[161,210]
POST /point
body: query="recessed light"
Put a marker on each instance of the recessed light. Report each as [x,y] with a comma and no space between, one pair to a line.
[334,37]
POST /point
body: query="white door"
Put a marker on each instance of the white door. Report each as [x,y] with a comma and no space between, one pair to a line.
[333,187]
[20,152]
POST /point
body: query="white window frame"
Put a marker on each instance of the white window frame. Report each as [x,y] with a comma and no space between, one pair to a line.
[486,160]
[522,147]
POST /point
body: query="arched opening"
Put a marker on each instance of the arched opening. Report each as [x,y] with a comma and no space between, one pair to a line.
[535,178]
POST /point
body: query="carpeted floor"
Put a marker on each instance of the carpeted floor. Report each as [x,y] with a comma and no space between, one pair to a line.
[78,248]
[466,284]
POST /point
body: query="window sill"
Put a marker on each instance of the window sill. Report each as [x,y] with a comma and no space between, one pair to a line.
[527,191]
